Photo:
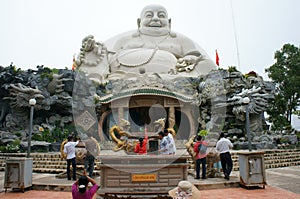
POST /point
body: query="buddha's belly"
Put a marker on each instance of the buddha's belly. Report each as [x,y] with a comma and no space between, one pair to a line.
[145,61]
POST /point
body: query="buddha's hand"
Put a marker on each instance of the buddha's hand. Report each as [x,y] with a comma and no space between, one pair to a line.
[186,63]
[91,52]
[88,43]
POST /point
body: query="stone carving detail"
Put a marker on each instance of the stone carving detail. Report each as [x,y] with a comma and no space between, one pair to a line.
[56,86]
[85,120]
[224,90]
[153,60]
[117,132]
[21,94]
[48,88]
[161,126]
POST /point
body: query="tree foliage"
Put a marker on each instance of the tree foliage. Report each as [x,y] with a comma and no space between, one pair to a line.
[285,73]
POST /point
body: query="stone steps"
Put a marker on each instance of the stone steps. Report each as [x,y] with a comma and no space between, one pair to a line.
[48,170]
[48,159]
[51,166]
[274,158]
[287,160]
[284,164]
[45,163]
[48,162]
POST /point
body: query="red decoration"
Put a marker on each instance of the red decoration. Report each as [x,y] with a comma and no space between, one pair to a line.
[217,58]
[74,63]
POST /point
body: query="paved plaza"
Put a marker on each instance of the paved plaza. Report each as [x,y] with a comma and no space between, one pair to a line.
[282,183]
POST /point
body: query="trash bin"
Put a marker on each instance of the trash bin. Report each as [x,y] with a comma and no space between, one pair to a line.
[18,173]
[252,168]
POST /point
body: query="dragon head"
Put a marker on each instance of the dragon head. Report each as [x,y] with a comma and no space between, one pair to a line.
[160,123]
[124,124]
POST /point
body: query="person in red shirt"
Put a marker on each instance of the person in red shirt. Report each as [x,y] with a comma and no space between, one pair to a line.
[200,158]
[141,147]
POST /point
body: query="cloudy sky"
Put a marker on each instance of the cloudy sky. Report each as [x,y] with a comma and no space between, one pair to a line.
[49,32]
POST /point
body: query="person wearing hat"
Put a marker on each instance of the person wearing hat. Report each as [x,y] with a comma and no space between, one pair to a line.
[79,188]
[185,190]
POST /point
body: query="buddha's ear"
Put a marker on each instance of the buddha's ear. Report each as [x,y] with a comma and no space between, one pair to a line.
[170,23]
[139,22]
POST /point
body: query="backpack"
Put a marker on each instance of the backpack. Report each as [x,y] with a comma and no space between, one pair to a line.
[202,148]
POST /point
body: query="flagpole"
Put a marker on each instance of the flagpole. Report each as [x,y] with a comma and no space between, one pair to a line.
[235,37]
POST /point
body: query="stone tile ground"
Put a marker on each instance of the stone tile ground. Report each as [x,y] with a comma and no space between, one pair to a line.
[282,183]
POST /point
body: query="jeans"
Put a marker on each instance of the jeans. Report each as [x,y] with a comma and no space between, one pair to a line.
[203,162]
[73,162]
[226,163]
[218,166]
[89,164]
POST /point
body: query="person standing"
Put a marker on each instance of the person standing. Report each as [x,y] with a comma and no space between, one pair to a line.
[79,188]
[69,149]
[223,147]
[89,163]
[164,143]
[171,144]
[92,152]
[200,156]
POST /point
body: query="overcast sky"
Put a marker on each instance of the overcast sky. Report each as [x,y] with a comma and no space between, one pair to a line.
[49,32]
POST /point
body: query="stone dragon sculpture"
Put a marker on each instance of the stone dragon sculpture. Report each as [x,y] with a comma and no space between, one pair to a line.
[116,132]
[21,94]
[161,126]
[18,100]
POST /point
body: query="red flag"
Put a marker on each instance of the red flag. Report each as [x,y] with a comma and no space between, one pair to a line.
[217,58]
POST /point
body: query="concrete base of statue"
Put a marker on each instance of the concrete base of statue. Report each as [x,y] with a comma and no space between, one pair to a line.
[141,174]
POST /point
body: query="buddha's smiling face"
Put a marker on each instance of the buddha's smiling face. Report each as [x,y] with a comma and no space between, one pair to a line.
[154,18]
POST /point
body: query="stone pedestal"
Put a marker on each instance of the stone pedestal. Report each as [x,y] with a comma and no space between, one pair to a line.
[141,174]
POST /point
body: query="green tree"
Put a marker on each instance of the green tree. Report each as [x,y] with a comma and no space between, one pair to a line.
[285,73]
